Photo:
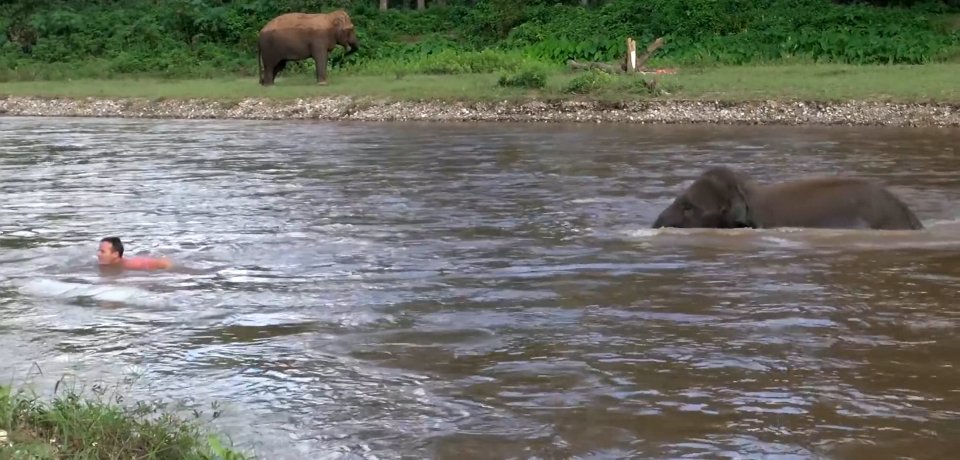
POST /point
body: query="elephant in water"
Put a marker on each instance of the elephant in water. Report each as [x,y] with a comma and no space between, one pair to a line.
[297,36]
[722,198]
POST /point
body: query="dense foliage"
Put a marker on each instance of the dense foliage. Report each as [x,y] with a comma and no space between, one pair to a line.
[74,38]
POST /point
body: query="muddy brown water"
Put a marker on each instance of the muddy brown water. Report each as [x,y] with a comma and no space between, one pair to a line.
[483,291]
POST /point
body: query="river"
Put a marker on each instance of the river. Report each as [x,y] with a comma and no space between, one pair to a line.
[364,290]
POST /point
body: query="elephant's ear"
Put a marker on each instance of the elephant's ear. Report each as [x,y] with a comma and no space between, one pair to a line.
[338,23]
[736,210]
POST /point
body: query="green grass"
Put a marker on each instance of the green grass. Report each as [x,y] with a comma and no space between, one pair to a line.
[72,427]
[813,82]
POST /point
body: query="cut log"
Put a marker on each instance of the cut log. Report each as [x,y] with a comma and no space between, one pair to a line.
[631,55]
[625,64]
[650,49]
[642,59]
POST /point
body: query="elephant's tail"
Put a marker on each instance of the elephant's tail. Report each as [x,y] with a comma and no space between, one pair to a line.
[259,63]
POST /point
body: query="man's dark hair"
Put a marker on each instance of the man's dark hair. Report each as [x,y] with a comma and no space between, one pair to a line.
[116,243]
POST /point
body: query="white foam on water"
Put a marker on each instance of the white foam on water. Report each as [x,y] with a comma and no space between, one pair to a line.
[645,232]
[943,223]
[22,233]
[360,318]
[782,242]
[70,145]
[50,288]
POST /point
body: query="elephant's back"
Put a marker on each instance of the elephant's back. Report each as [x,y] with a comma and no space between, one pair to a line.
[292,21]
[817,201]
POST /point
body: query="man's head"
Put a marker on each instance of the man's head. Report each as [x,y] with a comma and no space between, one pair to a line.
[111,251]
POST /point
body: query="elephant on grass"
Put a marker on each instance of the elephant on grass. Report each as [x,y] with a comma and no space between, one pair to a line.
[722,198]
[298,36]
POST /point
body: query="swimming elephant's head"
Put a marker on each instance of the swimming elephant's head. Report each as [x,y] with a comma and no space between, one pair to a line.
[716,199]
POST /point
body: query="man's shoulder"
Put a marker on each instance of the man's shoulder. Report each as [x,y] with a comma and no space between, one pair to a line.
[146,263]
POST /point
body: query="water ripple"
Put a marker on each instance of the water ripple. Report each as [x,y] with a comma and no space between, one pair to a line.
[424,290]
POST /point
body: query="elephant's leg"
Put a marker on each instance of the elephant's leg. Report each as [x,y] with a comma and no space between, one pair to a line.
[269,70]
[320,58]
[279,67]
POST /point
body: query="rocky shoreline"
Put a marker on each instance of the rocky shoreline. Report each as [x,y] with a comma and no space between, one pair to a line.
[852,113]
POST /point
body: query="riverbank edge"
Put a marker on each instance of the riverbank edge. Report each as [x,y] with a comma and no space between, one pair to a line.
[346,108]
[73,425]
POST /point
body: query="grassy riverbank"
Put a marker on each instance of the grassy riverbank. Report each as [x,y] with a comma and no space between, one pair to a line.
[73,427]
[495,60]
[809,82]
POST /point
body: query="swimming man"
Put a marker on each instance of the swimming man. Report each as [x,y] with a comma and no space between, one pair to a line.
[111,254]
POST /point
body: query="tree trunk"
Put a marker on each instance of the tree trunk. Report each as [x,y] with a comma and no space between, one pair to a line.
[421,4]
[383,5]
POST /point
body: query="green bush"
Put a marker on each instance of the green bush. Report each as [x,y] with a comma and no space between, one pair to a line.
[526,78]
[739,32]
[453,62]
[589,82]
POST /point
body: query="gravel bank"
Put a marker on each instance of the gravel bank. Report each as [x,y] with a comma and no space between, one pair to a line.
[346,108]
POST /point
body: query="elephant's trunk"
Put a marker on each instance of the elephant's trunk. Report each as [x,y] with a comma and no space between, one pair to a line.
[352,48]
